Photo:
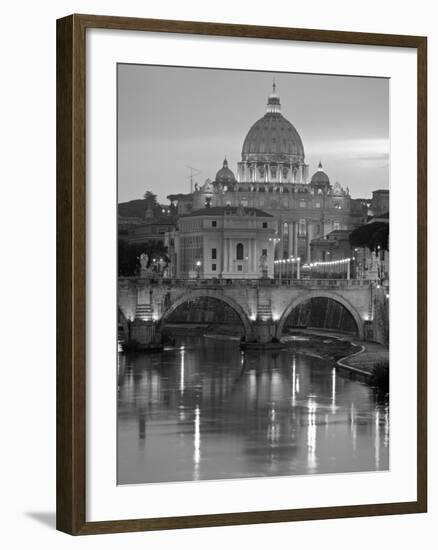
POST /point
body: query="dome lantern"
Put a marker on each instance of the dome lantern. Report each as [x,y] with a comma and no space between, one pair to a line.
[274,105]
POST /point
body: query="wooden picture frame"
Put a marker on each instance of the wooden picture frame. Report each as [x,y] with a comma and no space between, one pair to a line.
[71,273]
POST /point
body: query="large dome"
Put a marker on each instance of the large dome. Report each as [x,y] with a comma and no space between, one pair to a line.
[273,137]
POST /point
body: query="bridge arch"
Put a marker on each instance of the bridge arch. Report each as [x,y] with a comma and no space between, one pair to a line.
[204,293]
[321,294]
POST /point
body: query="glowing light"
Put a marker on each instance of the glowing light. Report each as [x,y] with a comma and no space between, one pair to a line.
[197,441]
[332,262]
[386,429]
[287,261]
[353,426]
[273,427]
[334,390]
[311,435]
[294,381]
[182,367]
[377,440]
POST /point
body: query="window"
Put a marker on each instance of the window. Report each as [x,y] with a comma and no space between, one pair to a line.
[213,223]
[213,267]
[336,226]
[302,204]
[239,252]
[317,205]
[239,268]
[302,227]
[265,225]
[213,253]
[264,252]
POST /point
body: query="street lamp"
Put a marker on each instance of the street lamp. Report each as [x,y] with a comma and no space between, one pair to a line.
[198,269]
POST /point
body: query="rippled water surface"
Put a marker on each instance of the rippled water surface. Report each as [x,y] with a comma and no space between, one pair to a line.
[205,410]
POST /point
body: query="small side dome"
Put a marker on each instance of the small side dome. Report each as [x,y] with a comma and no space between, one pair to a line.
[208,186]
[225,175]
[320,177]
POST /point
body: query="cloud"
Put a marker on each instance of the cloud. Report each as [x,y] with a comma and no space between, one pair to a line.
[370,148]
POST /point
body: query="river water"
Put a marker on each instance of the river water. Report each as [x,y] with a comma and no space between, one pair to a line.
[205,410]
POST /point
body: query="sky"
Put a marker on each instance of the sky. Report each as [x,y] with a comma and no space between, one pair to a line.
[170,118]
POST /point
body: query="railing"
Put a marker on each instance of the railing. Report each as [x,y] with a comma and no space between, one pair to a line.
[256,283]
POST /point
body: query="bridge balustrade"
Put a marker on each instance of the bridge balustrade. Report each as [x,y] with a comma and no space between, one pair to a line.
[296,283]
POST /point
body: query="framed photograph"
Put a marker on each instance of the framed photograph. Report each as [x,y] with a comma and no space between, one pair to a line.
[241,274]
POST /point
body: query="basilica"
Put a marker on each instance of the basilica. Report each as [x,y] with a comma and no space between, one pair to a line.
[271,180]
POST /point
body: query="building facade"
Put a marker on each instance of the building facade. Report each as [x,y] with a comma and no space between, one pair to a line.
[273,176]
[224,242]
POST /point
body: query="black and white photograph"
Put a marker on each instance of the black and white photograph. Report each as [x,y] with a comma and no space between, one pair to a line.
[253,275]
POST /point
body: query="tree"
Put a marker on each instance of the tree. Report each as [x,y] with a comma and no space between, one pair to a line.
[150,198]
[372,235]
[151,203]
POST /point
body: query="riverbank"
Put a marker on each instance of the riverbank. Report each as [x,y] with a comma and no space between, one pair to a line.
[368,359]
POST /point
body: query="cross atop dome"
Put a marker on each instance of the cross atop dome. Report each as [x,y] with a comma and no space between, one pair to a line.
[320,166]
[273,100]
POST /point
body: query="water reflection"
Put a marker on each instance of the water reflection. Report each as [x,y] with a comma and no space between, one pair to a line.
[204,410]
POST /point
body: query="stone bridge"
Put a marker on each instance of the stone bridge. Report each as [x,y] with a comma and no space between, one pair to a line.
[257,302]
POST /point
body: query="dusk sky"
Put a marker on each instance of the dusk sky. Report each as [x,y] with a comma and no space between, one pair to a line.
[172,117]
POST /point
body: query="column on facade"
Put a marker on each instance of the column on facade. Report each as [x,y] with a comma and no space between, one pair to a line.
[230,262]
[295,253]
[308,239]
[224,240]
[280,244]
[290,251]
[178,260]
